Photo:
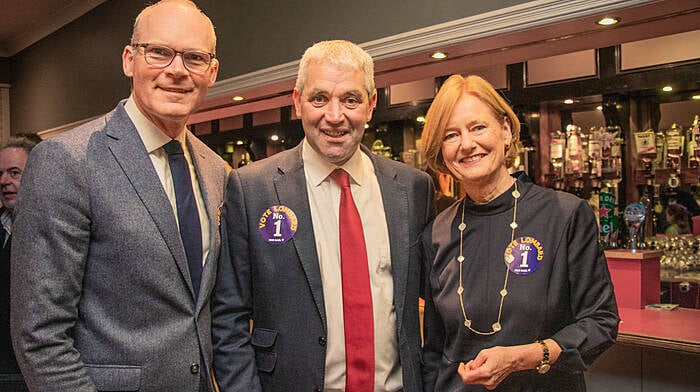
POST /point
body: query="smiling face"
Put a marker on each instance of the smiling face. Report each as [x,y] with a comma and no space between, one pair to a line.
[334,106]
[167,96]
[12,162]
[474,144]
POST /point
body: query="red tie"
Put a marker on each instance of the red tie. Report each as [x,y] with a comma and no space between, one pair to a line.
[357,296]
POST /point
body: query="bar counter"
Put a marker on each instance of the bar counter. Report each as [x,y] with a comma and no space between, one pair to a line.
[677,329]
[636,277]
[656,350]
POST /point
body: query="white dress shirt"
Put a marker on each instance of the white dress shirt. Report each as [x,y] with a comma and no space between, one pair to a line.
[324,201]
[154,139]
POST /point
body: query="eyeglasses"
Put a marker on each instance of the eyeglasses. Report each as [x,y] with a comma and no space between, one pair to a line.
[162,56]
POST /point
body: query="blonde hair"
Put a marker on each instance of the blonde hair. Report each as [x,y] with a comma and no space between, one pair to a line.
[135,34]
[339,53]
[441,110]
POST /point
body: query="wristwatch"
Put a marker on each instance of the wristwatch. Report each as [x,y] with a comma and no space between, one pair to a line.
[544,366]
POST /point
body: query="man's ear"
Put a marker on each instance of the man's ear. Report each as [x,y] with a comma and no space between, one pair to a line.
[296,97]
[213,71]
[128,60]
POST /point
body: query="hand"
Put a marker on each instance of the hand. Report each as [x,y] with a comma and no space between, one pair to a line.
[490,367]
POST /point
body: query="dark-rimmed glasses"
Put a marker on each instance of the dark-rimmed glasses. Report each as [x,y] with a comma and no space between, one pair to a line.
[162,56]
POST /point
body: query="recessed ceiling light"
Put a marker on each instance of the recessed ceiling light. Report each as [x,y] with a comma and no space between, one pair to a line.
[599,107]
[568,101]
[274,138]
[366,125]
[696,96]
[239,142]
[667,88]
[237,98]
[420,119]
[439,55]
[608,21]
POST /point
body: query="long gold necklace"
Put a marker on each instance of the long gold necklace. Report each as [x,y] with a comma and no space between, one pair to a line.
[495,327]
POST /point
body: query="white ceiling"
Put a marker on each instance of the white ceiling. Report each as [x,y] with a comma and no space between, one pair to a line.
[23,23]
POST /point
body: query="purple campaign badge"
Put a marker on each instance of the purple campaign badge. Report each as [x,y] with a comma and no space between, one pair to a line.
[524,255]
[277,224]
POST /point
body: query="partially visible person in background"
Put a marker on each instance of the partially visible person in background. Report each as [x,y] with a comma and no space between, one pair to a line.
[13,157]
[679,220]
[519,296]
[679,197]
[682,197]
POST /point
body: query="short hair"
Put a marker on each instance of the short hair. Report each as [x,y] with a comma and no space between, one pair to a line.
[25,141]
[444,103]
[135,34]
[343,54]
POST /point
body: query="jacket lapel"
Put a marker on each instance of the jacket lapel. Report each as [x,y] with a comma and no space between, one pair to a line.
[131,155]
[290,186]
[211,184]
[395,199]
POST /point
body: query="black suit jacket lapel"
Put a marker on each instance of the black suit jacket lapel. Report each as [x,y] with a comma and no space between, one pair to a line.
[395,199]
[290,186]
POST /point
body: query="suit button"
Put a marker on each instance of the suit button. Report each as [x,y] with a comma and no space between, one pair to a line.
[194,368]
[322,341]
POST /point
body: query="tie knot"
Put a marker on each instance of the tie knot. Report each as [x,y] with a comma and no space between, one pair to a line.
[173,147]
[341,177]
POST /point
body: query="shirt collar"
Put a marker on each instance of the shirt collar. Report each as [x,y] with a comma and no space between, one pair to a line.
[318,168]
[152,137]
[6,219]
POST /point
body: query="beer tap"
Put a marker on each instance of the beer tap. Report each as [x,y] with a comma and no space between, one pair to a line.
[674,151]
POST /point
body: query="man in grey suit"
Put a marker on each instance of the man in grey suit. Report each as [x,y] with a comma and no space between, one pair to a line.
[283,258]
[104,293]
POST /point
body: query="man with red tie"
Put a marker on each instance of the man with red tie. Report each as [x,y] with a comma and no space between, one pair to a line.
[321,250]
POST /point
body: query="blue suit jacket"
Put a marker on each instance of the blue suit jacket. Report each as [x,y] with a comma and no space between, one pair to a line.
[279,286]
[101,291]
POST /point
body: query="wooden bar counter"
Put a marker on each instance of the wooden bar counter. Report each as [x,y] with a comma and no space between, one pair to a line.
[677,329]
[656,350]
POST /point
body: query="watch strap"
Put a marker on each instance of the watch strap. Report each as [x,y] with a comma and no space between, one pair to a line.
[544,365]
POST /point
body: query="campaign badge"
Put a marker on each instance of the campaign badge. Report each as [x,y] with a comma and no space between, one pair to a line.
[277,224]
[523,255]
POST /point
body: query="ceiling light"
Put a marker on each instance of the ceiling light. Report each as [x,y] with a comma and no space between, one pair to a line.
[696,96]
[599,108]
[366,125]
[237,98]
[608,21]
[667,88]
[439,55]
[274,138]
[568,101]
[420,119]
[239,142]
